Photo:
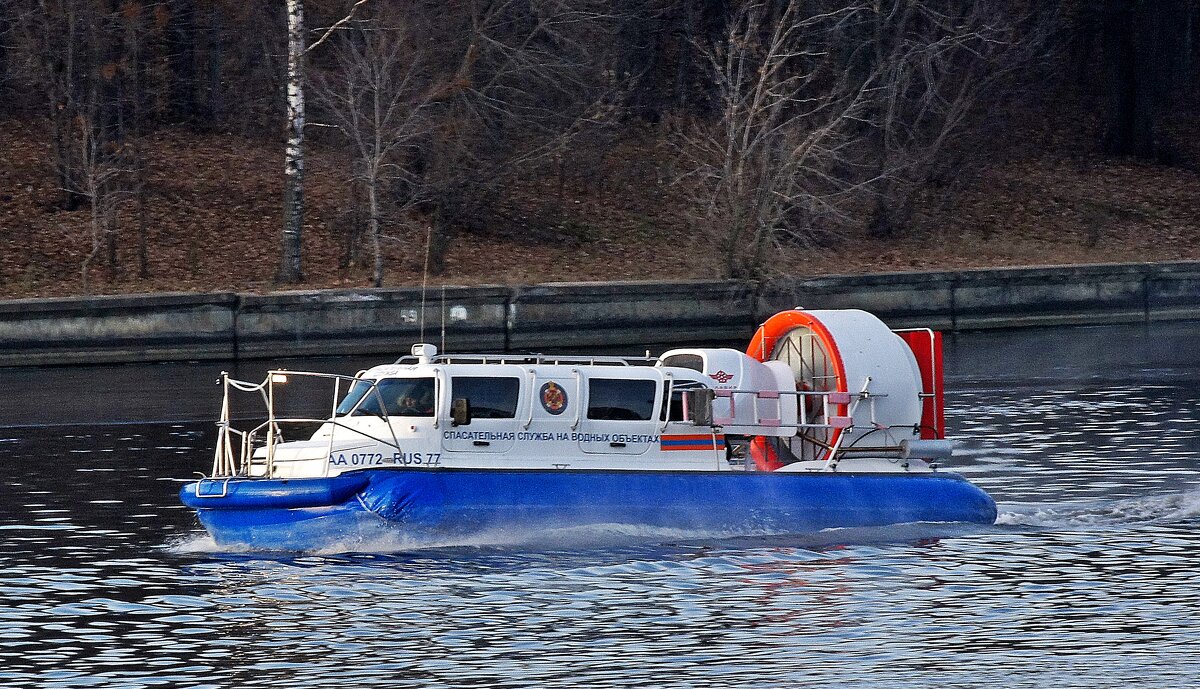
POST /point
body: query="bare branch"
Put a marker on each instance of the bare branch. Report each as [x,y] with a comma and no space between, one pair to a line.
[336,25]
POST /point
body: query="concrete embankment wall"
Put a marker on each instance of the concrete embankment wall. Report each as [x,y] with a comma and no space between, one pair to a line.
[172,327]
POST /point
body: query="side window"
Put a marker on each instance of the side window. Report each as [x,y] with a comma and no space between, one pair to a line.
[491,398]
[621,400]
[672,409]
[692,361]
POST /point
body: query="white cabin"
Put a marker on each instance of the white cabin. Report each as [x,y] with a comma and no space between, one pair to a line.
[527,412]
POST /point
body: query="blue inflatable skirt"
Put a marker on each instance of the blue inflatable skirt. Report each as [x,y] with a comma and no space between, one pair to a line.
[315,513]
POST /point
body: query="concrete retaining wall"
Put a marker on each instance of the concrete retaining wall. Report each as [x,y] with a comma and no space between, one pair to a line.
[174,327]
[1004,298]
[629,314]
[370,321]
[161,327]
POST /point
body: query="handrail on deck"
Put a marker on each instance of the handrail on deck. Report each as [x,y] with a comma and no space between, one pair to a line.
[830,422]
[535,359]
[226,463]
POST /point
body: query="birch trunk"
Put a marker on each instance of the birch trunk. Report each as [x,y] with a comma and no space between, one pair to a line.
[293,227]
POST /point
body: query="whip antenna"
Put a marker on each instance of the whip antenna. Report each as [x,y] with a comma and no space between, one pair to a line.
[425,279]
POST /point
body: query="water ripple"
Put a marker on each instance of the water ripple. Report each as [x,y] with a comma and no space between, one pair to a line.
[1086,581]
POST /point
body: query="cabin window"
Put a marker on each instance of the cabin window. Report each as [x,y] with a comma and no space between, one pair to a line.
[692,361]
[491,398]
[400,397]
[672,408]
[611,399]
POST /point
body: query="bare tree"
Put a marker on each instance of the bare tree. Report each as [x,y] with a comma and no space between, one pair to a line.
[828,104]
[107,173]
[377,98]
[8,15]
[1148,52]
[519,81]
[59,54]
[934,62]
[779,157]
[82,55]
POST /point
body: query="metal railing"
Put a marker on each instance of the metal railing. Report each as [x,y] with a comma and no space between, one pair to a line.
[807,421]
[229,461]
[534,359]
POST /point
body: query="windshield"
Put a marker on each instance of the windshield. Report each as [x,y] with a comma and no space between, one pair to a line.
[356,393]
[400,396]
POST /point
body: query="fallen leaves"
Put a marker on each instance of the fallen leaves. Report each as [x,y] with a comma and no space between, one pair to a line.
[214,218]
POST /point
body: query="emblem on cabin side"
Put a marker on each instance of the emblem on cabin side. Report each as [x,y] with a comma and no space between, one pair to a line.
[554,398]
[721,377]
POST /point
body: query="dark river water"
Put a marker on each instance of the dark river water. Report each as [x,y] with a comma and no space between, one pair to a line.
[1088,438]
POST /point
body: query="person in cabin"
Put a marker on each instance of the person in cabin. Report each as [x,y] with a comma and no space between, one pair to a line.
[425,402]
[416,400]
[406,405]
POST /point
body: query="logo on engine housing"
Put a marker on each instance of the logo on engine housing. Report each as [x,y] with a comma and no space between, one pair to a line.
[721,377]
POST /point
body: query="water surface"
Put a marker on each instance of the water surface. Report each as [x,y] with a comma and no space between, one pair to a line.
[1087,437]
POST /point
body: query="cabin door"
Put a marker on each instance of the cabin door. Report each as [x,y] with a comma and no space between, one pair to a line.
[620,415]
[494,400]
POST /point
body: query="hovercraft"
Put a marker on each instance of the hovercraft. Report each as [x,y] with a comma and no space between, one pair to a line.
[829,419]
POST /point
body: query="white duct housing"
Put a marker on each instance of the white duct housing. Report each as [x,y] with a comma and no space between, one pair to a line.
[748,400]
[850,351]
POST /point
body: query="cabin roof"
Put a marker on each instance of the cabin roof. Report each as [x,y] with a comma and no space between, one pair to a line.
[553,368]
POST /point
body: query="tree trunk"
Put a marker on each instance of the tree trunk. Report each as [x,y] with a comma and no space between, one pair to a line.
[373,225]
[886,58]
[1153,40]
[683,70]
[293,203]
[214,106]
[439,242]
[59,75]
[85,269]
[143,234]
[1191,46]
[65,163]
[1131,105]
[6,26]
[110,243]
[181,60]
